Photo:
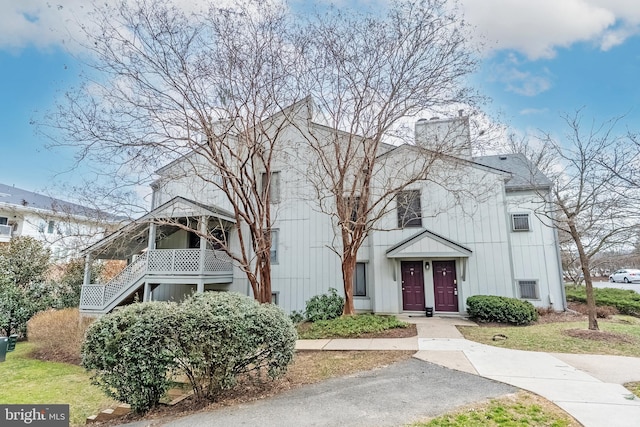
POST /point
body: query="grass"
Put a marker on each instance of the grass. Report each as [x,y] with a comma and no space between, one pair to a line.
[31,381]
[349,326]
[634,388]
[522,409]
[551,337]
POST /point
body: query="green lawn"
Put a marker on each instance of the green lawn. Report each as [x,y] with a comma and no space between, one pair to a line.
[549,337]
[27,380]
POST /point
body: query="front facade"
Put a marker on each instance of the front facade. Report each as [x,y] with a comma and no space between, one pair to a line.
[63,227]
[440,245]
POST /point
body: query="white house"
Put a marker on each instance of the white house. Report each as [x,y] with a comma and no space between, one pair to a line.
[64,227]
[479,235]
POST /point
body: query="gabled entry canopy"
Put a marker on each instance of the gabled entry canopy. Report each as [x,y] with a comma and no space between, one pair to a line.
[134,237]
[427,244]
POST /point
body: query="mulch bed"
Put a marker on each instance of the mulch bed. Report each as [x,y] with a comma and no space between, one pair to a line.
[588,334]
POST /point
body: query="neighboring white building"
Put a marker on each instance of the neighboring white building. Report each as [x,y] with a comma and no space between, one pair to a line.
[452,248]
[65,228]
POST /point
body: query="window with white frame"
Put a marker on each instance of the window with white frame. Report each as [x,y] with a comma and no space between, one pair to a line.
[520,222]
[360,280]
[4,220]
[528,289]
[51,226]
[275,297]
[271,183]
[273,253]
[409,209]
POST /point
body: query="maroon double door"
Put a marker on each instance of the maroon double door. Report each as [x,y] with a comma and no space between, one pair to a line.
[444,286]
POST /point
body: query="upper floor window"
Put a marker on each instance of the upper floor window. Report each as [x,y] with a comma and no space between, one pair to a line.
[409,209]
[274,246]
[3,220]
[520,222]
[271,183]
[51,227]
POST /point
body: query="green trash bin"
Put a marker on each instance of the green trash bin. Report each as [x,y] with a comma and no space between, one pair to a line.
[12,342]
[4,343]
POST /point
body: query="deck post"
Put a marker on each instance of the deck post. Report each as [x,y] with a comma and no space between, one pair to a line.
[200,286]
[146,296]
[152,236]
[203,241]
[87,269]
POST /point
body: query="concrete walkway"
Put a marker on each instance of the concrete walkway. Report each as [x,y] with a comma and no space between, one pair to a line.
[589,387]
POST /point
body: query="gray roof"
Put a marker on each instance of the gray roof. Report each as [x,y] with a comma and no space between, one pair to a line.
[525,176]
[10,195]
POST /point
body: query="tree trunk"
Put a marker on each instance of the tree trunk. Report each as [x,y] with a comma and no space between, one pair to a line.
[584,263]
[265,280]
[348,266]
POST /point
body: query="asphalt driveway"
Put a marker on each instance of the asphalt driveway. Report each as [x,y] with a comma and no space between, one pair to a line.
[392,396]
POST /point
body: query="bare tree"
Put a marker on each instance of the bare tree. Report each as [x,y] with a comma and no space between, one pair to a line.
[589,201]
[194,87]
[368,75]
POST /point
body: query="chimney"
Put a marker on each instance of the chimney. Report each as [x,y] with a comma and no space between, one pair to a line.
[446,136]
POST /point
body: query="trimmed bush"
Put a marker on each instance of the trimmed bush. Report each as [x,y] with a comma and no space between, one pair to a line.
[324,307]
[223,335]
[58,335]
[127,353]
[491,308]
[625,301]
[212,338]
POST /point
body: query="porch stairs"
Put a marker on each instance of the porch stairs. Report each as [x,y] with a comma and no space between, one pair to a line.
[100,299]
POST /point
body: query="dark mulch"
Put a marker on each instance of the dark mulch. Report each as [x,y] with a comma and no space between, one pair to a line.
[409,331]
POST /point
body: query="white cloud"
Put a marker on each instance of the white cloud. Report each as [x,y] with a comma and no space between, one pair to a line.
[538,28]
[45,24]
[533,111]
[526,83]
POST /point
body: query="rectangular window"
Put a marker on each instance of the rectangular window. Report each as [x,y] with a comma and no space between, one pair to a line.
[274,298]
[272,184]
[360,280]
[274,246]
[3,220]
[520,222]
[409,209]
[51,226]
[528,289]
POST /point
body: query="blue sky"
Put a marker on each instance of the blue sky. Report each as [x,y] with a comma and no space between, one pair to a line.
[540,58]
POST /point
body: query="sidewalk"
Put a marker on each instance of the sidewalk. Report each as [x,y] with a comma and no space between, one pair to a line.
[586,386]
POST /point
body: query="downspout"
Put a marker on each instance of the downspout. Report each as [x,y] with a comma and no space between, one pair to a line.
[556,241]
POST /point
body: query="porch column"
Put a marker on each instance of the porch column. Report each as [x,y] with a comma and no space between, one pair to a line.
[202,226]
[152,236]
[87,269]
[200,286]
[146,296]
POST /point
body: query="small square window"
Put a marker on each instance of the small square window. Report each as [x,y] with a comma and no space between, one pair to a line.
[360,280]
[528,289]
[520,222]
[3,220]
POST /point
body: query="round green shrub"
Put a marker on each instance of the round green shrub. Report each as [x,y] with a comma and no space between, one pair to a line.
[224,335]
[127,353]
[212,338]
[492,308]
[324,307]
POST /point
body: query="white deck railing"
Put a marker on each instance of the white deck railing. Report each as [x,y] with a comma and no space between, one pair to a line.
[157,262]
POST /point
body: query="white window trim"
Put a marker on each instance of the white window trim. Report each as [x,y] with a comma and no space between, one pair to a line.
[275,241]
[513,224]
[536,287]
[366,281]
